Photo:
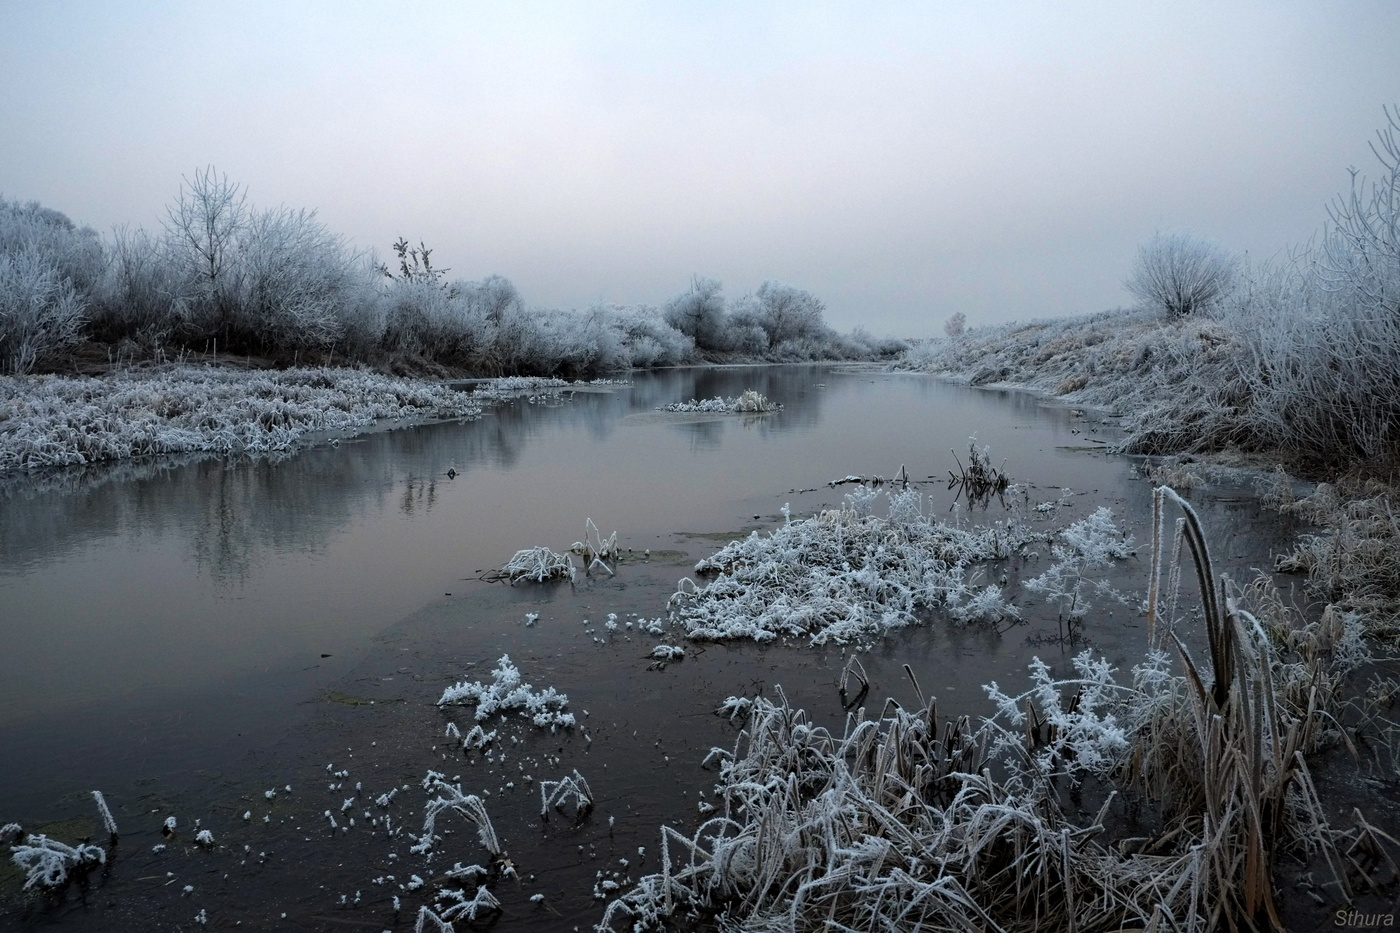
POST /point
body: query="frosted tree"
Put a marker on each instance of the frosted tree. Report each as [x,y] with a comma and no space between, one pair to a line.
[955,325]
[203,227]
[1181,273]
[699,313]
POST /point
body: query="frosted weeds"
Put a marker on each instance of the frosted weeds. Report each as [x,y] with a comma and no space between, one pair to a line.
[59,421]
[540,564]
[47,862]
[507,693]
[748,402]
[1087,544]
[846,575]
[557,794]
[450,797]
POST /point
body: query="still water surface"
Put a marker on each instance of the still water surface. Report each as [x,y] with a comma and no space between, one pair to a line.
[177,634]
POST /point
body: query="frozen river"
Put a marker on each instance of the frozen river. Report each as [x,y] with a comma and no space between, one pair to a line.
[189,636]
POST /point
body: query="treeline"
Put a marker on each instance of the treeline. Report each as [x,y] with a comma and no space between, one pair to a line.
[222,278]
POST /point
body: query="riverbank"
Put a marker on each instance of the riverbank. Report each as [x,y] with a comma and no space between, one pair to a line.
[56,421]
[1183,390]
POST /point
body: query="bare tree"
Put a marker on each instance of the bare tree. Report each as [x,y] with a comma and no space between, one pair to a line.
[203,228]
[1361,251]
[1181,273]
[955,325]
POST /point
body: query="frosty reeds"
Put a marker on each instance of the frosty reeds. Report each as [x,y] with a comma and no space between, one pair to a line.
[847,574]
[557,794]
[450,796]
[109,824]
[905,822]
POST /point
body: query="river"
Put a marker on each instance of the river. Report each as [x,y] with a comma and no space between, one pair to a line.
[189,636]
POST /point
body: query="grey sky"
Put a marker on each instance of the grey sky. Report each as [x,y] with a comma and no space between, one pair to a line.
[901,160]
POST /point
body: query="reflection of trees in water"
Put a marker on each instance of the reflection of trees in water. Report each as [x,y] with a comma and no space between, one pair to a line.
[233,515]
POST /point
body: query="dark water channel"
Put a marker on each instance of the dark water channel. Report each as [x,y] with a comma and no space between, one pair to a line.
[187,637]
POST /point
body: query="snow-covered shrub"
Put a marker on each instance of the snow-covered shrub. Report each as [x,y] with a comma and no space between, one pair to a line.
[1181,274]
[700,314]
[788,313]
[295,277]
[508,692]
[75,252]
[40,311]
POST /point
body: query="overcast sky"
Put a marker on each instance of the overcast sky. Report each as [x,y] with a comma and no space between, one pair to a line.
[901,160]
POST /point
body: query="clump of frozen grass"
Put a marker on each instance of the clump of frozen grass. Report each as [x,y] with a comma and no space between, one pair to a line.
[61,421]
[557,794]
[748,402]
[509,387]
[1353,560]
[979,480]
[1085,545]
[48,863]
[472,907]
[478,737]
[426,915]
[540,564]
[846,574]
[508,692]
[595,548]
[450,797]
[667,653]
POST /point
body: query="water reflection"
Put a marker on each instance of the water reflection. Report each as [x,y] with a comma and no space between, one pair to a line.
[168,576]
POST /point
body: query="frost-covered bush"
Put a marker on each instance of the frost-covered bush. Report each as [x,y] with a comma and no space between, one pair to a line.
[1087,544]
[75,252]
[788,313]
[1181,274]
[296,276]
[700,314]
[40,311]
[508,692]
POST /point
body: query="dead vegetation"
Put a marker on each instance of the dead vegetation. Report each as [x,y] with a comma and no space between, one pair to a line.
[908,821]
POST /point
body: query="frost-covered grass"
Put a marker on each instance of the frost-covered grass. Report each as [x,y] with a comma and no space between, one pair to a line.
[1353,559]
[748,402]
[905,822]
[540,564]
[58,421]
[847,575]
